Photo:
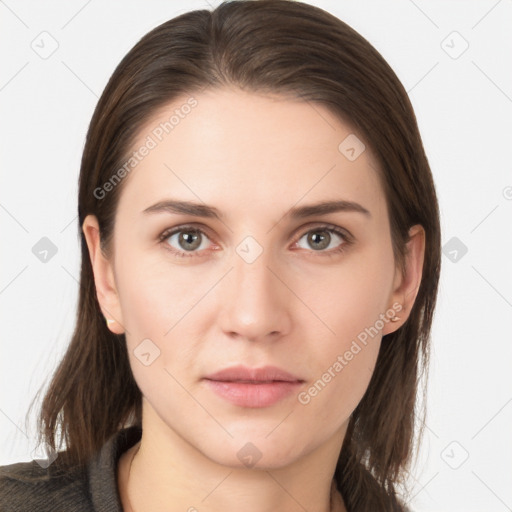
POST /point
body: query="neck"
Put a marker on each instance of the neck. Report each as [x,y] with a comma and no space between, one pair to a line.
[165,473]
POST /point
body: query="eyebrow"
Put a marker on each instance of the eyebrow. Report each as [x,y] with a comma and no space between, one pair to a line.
[298,212]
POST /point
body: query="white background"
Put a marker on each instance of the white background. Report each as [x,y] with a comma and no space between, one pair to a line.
[464,110]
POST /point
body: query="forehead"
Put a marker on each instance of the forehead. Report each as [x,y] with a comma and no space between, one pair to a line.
[237,150]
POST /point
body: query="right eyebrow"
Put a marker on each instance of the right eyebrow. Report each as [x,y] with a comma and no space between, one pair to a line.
[184,207]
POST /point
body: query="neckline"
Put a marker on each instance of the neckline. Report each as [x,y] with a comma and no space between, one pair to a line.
[103,472]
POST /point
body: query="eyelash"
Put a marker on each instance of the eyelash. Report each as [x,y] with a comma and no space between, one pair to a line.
[347,241]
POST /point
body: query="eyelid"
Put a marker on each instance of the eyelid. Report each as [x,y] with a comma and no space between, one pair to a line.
[327,226]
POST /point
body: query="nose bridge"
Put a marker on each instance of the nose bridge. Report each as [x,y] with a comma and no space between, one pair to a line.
[257,305]
[252,264]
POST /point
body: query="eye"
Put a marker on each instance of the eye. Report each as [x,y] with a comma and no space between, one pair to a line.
[323,237]
[188,240]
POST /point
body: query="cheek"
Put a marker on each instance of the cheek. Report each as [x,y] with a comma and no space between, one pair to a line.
[154,309]
[152,291]
[349,297]
[349,304]
[342,363]
[162,311]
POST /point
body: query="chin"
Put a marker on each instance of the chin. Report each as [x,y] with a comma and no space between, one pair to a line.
[255,452]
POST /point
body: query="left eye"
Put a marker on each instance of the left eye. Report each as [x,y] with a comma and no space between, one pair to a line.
[321,238]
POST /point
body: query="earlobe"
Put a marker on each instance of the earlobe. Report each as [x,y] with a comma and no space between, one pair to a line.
[103,276]
[406,285]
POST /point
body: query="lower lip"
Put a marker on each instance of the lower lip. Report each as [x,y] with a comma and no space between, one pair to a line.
[253,395]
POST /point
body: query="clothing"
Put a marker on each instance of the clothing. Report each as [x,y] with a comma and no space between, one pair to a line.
[28,487]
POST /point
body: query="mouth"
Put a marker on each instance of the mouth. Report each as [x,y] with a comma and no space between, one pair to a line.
[253,387]
[258,375]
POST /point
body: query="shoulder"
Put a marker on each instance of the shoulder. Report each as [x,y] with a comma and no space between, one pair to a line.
[30,486]
[27,486]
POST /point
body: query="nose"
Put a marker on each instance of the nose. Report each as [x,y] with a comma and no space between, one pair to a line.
[255,300]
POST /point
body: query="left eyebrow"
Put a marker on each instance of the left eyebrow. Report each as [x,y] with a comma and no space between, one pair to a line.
[326,207]
[298,212]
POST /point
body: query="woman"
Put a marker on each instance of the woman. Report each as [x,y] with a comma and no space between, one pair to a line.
[260,262]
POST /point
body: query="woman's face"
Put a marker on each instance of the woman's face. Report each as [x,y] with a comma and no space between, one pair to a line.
[262,281]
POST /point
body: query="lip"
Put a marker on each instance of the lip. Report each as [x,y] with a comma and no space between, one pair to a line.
[244,373]
[253,387]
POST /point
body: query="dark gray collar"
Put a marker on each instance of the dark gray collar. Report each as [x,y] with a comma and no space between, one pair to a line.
[102,470]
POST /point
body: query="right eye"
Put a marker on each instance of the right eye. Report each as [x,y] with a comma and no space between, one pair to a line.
[188,240]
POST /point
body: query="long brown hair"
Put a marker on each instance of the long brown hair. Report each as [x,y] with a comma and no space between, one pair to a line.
[265,46]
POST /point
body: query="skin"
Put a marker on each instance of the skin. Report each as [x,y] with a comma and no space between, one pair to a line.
[253,157]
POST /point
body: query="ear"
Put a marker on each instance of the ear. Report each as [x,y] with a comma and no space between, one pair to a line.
[406,285]
[103,276]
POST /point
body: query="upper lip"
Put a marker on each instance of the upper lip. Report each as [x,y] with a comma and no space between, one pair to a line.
[244,373]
